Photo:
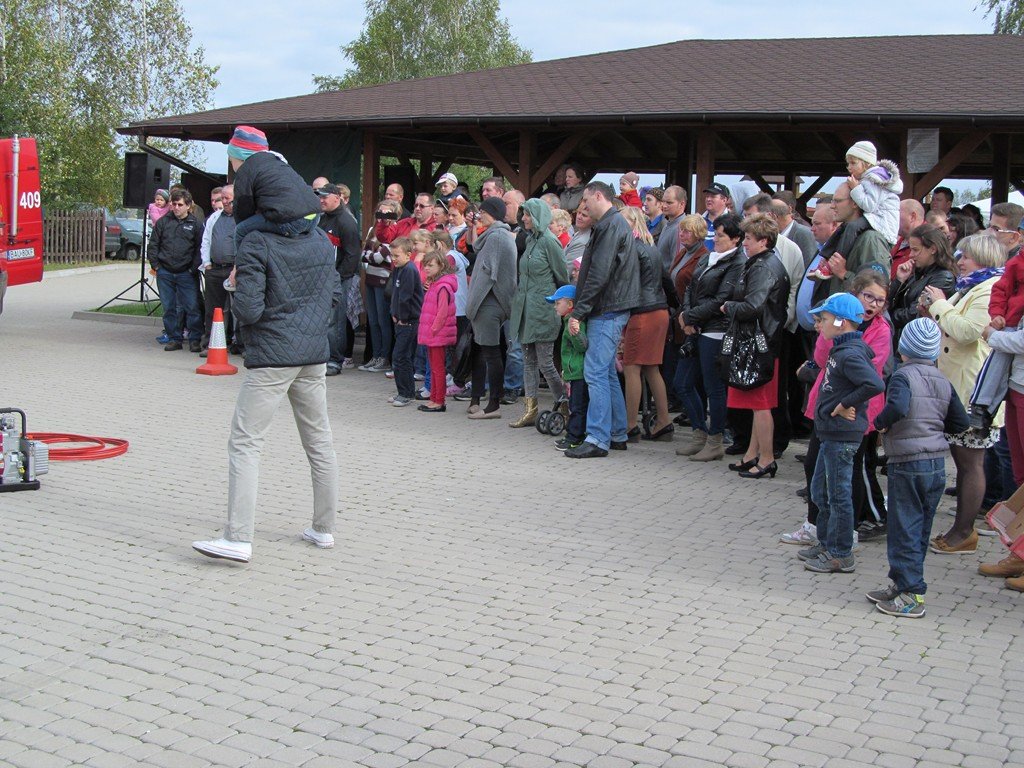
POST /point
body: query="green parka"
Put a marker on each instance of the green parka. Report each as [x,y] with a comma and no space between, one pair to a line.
[541,271]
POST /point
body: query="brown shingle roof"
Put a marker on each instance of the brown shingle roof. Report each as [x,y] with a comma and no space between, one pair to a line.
[912,78]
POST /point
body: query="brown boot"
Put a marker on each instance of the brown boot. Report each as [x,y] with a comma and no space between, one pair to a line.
[1010,566]
[696,444]
[529,418]
[712,450]
[1017,583]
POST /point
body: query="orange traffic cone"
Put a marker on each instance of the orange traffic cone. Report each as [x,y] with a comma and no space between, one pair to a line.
[217,355]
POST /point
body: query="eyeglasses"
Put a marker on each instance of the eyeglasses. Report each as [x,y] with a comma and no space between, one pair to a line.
[179,205]
[998,231]
[873,300]
[422,205]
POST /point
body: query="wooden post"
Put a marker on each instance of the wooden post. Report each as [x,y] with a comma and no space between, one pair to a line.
[705,163]
[682,175]
[527,154]
[371,176]
[1000,167]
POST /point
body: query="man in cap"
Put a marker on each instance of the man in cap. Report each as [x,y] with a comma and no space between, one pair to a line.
[716,202]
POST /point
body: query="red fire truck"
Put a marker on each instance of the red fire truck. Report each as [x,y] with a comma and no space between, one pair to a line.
[21,215]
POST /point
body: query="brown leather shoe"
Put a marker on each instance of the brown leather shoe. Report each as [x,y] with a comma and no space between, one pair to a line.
[1009,567]
[941,547]
[1017,583]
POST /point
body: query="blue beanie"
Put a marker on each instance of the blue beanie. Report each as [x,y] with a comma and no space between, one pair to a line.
[920,339]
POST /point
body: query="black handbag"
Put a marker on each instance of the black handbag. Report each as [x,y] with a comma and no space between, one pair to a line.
[462,359]
[746,361]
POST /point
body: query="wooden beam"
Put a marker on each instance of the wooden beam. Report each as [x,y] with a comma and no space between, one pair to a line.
[527,153]
[948,162]
[443,166]
[810,192]
[683,171]
[426,172]
[502,166]
[555,159]
[705,159]
[1000,167]
[762,183]
[371,176]
[789,181]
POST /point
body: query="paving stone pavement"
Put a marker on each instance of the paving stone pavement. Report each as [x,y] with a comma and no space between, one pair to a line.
[488,603]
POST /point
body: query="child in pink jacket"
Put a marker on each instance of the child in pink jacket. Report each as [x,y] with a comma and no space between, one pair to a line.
[437,330]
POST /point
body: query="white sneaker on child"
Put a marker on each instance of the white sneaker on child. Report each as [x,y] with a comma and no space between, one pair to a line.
[805,535]
[322,540]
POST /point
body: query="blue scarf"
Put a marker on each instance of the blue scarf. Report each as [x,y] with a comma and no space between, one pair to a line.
[965,283]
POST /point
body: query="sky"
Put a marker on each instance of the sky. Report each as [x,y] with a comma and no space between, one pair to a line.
[273,51]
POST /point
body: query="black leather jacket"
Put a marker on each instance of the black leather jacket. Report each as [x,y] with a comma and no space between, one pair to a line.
[762,294]
[709,289]
[655,286]
[609,279]
[903,296]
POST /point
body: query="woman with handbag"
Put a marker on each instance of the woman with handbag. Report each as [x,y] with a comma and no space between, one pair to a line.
[704,324]
[757,316]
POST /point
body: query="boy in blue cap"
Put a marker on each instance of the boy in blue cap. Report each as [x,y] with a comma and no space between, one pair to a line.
[574,349]
[840,421]
[920,405]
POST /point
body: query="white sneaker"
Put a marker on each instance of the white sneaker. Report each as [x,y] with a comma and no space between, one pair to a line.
[804,536]
[348,363]
[424,392]
[322,540]
[239,551]
[418,377]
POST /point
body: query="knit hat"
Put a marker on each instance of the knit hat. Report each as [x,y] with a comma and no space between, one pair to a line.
[630,178]
[864,150]
[920,339]
[494,206]
[247,141]
[843,305]
[163,193]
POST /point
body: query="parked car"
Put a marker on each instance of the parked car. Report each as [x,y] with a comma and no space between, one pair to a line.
[122,236]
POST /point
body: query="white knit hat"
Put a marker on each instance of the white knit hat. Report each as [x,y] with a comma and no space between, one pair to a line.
[864,150]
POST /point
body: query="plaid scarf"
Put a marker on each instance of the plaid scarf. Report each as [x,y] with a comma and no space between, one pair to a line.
[966,282]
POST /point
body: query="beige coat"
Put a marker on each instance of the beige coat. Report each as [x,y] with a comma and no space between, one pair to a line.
[962,318]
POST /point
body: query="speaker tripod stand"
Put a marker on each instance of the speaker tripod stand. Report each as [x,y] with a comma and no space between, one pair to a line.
[144,284]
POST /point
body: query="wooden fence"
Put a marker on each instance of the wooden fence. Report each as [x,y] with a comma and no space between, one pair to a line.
[70,237]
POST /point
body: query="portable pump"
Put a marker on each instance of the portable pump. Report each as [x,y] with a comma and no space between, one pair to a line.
[21,460]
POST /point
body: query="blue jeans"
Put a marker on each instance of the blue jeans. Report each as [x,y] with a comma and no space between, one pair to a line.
[378,317]
[338,335]
[257,223]
[402,360]
[915,489]
[579,399]
[179,295]
[513,362]
[684,385]
[606,413]
[832,492]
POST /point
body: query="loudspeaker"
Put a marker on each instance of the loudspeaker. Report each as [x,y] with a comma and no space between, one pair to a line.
[144,174]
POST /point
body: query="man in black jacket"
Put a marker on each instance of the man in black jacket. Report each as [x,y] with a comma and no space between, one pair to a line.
[282,304]
[343,232]
[173,248]
[608,287]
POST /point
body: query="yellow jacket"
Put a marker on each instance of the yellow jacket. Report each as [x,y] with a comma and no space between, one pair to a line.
[962,318]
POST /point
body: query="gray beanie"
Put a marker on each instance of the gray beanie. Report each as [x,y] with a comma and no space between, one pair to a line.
[920,339]
[864,150]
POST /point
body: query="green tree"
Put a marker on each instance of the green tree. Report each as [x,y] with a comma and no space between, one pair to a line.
[72,73]
[406,39]
[1009,16]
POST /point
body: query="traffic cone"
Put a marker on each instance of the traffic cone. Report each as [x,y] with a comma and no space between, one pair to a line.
[217,354]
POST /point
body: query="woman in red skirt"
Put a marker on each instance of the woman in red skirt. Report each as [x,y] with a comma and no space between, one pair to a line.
[760,296]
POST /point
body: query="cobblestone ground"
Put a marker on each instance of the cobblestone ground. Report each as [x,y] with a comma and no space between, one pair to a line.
[488,603]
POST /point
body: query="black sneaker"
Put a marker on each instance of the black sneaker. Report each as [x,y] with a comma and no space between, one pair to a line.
[172,346]
[564,444]
[870,530]
[195,346]
[586,450]
[619,446]
[736,449]
[509,397]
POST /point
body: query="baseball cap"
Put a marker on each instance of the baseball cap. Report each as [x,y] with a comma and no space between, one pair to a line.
[329,189]
[565,292]
[447,177]
[842,305]
[717,188]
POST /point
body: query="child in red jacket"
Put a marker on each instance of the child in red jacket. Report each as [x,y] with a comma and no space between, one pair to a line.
[437,330]
[627,190]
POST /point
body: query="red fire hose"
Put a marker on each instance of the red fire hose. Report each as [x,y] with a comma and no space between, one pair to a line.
[99,448]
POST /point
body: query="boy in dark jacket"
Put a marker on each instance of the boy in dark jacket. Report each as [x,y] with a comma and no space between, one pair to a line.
[574,349]
[920,405]
[840,421]
[406,302]
[269,195]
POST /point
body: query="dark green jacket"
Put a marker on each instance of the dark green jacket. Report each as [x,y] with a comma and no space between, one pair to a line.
[542,270]
[574,349]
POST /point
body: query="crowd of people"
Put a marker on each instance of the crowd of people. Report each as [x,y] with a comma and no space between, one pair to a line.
[869,326]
